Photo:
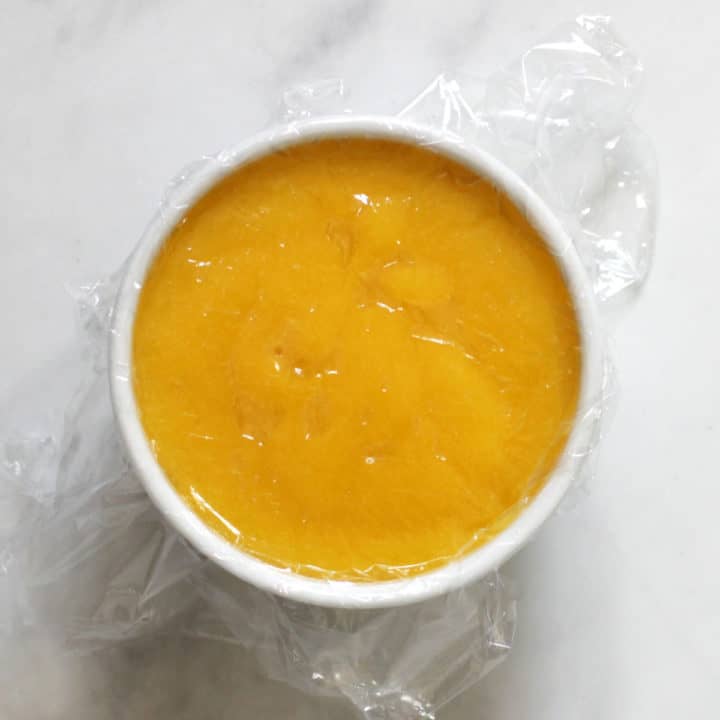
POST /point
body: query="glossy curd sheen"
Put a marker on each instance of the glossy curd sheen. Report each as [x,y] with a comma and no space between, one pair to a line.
[353,358]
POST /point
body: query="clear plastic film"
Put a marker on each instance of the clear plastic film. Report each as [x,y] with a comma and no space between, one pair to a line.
[86,556]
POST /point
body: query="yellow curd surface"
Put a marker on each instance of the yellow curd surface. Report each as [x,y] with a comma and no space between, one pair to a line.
[353,358]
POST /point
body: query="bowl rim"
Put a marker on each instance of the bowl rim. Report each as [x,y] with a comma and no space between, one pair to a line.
[344,593]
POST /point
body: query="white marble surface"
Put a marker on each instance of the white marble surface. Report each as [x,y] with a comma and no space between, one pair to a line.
[103,101]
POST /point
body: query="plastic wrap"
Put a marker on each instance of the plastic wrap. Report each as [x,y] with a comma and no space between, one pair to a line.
[85,555]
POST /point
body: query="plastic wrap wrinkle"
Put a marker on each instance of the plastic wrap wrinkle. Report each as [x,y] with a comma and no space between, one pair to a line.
[85,556]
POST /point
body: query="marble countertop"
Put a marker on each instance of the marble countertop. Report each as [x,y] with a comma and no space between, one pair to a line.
[103,102]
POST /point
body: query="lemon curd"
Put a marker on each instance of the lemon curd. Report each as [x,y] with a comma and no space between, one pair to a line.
[354,359]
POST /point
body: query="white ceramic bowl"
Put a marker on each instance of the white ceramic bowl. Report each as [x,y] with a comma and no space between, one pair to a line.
[333,593]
